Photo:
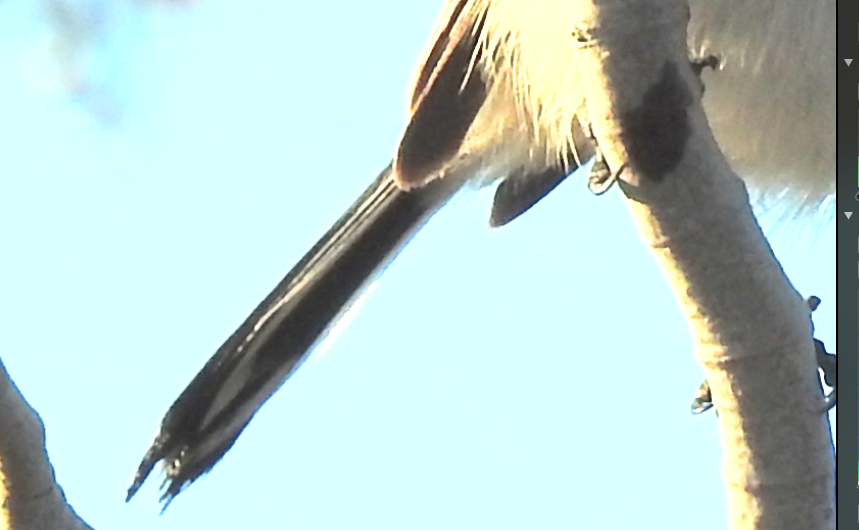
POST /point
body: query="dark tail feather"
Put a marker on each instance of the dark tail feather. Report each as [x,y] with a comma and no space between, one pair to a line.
[210,414]
[517,193]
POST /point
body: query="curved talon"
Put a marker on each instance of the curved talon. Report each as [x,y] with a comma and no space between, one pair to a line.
[826,362]
[829,401]
[602,178]
[828,366]
[813,302]
[708,61]
[698,65]
[703,399]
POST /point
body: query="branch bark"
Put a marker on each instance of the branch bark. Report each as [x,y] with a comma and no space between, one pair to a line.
[750,326]
[30,498]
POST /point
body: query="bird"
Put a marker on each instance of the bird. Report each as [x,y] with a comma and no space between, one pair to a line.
[497,98]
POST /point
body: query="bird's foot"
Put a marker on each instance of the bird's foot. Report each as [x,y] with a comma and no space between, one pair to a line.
[826,362]
[703,399]
[707,61]
[828,367]
[698,65]
[601,177]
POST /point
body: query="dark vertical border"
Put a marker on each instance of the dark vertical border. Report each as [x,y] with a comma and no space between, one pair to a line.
[848,256]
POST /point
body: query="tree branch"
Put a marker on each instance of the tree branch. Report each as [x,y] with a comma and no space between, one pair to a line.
[750,326]
[30,498]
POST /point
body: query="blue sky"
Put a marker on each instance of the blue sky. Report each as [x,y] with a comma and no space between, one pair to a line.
[535,376]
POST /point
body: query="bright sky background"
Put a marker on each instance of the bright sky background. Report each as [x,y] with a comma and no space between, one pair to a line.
[536,376]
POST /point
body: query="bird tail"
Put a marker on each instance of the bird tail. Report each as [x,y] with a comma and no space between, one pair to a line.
[210,414]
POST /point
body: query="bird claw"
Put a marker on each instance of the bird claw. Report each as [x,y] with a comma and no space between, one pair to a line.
[698,65]
[601,177]
[707,61]
[828,367]
[703,399]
